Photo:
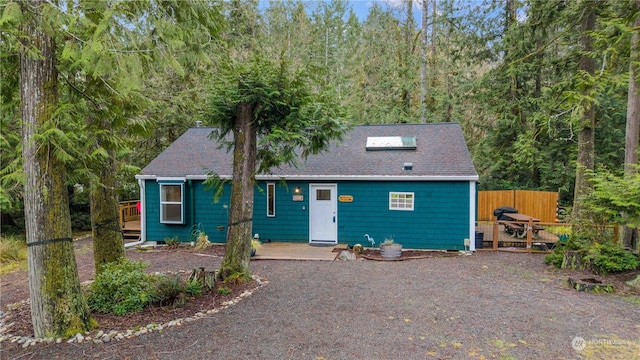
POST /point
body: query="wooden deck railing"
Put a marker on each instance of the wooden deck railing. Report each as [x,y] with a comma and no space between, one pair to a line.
[129,211]
[546,233]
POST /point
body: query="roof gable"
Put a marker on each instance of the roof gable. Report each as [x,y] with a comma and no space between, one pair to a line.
[440,151]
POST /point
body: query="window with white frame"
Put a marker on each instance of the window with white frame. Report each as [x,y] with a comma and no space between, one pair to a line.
[271,199]
[401,201]
[171,203]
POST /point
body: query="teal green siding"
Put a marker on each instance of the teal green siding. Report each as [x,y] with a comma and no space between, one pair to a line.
[291,223]
[440,219]
[200,212]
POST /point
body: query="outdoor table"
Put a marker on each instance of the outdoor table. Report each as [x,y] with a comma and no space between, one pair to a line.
[521,217]
[528,229]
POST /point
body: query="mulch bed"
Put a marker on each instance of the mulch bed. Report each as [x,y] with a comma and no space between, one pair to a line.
[20,315]
[374,254]
[181,261]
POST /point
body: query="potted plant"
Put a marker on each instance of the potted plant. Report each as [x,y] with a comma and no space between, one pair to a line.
[255,245]
[390,249]
[563,232]
[199,238]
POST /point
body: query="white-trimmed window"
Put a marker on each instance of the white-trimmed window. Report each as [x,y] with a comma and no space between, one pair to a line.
[401,201]
[171,203]
[271,199]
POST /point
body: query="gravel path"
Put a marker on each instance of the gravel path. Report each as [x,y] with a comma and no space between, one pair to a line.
[484,306]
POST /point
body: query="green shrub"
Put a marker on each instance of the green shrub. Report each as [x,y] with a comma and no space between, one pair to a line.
[13,254]
[608,258]
[172,242]
[193,288]
[555,258]
[222,290]
[81,221]
[12,249]
[122,287]
[168,290]
[79,208]
[601,258]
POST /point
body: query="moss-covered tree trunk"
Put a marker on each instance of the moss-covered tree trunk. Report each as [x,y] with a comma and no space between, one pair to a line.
[58,307]
[586,137]
[632,133]
[108,242]
[235,264]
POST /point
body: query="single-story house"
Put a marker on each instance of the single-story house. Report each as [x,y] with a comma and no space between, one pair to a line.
[414,183]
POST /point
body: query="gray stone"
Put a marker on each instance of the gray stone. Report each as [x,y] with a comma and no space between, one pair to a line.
[347,256]
[634,283]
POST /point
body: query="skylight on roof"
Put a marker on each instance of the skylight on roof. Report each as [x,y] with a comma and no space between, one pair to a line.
[391,143]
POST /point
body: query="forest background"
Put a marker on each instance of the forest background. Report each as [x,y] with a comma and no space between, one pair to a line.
[510,72]
[91,91]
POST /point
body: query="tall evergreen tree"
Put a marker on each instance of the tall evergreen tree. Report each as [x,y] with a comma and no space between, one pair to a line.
[586,125]
[274,117]
[632,131]
[58,307]
[273,112]
[107,83]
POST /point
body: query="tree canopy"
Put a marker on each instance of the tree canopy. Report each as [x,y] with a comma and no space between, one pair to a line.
[508,72]
[275,117]
[292,120]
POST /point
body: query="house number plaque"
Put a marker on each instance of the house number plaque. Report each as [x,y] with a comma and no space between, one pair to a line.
[345,198]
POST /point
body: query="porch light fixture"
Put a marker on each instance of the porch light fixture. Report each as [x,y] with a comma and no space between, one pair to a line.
[297,190]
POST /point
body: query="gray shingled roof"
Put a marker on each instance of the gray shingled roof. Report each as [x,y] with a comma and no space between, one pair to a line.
[441,152]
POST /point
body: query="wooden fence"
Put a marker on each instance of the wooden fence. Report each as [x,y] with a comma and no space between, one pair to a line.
[540,204]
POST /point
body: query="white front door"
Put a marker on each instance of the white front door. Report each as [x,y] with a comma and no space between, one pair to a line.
[323,217]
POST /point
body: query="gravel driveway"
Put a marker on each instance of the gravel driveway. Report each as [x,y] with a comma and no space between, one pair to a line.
[488,305]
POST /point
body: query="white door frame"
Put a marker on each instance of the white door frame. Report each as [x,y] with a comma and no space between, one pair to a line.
[323,217]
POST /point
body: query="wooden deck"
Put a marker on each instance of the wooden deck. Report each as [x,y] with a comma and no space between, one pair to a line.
[131,230]
[130,221]
[131,225]
[296,251]
[506,240]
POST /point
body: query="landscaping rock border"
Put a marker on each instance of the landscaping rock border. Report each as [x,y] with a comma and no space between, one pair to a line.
[102,336]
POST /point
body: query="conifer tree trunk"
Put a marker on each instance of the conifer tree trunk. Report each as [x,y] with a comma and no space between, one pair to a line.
[630,235]
[423,63]
[406,74]
[108,242]
[238,249]
[586,136]
[58,307]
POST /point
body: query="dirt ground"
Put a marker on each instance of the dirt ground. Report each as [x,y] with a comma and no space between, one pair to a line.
[483,306]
